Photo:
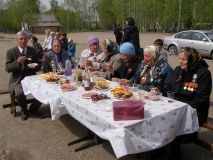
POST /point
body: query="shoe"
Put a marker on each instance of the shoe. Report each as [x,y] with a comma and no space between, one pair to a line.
[24,116]
[36,113]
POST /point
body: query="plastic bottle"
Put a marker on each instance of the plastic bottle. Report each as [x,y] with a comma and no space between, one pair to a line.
[87,85]
[68,69]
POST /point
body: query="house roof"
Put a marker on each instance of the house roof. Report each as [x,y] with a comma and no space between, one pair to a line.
[47,20]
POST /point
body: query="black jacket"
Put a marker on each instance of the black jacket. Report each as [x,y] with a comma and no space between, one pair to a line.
[197,97]
[128,69]
[131,35]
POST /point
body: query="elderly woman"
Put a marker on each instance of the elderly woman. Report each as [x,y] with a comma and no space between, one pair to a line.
[153,72]
[129,61]
[112,59]
[191,84]
[93,55]
[55,58]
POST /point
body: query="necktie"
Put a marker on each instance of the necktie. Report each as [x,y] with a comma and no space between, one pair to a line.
[23,53]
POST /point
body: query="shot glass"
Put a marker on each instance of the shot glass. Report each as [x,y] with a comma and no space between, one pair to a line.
[54,72]
[170,95]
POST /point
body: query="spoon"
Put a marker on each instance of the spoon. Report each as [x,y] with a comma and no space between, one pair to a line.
[29,59]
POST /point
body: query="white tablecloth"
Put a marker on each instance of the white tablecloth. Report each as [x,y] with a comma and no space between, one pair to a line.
[163,121]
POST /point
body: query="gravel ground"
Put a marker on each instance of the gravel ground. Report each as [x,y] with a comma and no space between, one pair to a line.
[43,139]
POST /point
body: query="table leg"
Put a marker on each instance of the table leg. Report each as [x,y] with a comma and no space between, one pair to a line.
[87,137]
[95,140]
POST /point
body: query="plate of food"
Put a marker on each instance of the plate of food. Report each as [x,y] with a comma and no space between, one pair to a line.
[52,79]
[155,96]
[32,64]
[117,89]
[88,95]
[123,95]
[68,87]
[44,76]
[101,85]
[98,97]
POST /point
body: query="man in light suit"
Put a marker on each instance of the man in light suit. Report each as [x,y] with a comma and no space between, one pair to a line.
[17,60]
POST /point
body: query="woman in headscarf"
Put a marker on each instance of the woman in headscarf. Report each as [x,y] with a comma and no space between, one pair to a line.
[112,59]
[192,84]
[93,55]
[153,72]
[55,58]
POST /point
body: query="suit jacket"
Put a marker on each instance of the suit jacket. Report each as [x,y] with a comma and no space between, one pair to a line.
[20,70]
[47,66]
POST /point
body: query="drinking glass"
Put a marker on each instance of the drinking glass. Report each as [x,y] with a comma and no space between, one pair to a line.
[141,94]
[170,95]
[54,71]
[121,82]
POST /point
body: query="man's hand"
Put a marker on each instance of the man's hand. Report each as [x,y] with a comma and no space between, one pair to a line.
[21,59]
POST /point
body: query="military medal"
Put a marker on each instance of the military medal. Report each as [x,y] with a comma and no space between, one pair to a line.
[143,79]
[191,86]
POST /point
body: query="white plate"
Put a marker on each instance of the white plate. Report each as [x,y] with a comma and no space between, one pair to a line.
[101,90]
[88,97]
[69,89]
[105,105]
[32,64]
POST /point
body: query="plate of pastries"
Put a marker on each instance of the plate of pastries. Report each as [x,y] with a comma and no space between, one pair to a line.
[101,85]
[121,93]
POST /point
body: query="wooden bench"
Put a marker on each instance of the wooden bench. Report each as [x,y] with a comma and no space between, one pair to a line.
[13,103]
[207,145]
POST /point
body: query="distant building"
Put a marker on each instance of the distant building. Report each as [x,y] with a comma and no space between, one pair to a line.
[204,26]
[46,21]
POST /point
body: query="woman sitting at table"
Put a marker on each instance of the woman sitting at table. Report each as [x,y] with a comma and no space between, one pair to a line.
[153,72]
[93,55]
[113,58]
[191,84]
[128,63]
[55,58]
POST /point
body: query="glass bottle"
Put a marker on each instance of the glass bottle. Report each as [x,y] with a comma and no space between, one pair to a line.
[87,85]
[68,69]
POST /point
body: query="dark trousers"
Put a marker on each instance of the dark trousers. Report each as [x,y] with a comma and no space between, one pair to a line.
[118,40]
[22,100]
[183,139]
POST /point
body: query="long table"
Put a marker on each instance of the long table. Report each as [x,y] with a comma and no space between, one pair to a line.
[162,123]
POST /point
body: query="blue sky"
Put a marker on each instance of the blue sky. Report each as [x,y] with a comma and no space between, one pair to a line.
[47,3]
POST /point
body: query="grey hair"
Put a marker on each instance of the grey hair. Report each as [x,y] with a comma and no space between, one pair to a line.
[21,33]
[154,51]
